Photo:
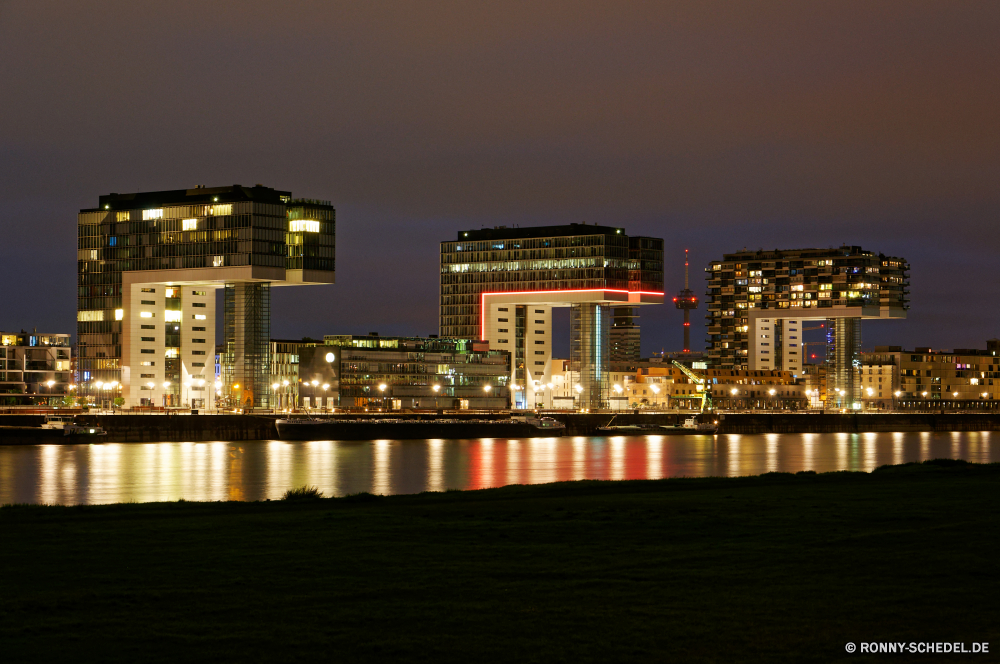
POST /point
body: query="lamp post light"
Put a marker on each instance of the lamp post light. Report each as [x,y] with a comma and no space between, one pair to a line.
[381,388]
[771,393]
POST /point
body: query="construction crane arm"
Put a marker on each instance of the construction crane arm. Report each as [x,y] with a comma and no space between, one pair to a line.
[690,374]
[706,392]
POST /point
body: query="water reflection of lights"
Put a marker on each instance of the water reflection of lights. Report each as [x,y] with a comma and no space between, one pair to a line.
[654,457]
[542,452]
[435,466]
[808,451]
[617,458]
[842,444]
[733,461]
[486,453]
[321,466]
[579,470]
[772,452]
[279,469]
[251,470]
[868,449]
[513,463]
[380,467]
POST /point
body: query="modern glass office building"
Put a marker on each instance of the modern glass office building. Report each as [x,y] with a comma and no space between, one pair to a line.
[148,267]
[500,285]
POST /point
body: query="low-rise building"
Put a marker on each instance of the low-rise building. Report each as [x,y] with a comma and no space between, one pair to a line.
[393,373]
[653,384]
[922,378]
[35,369]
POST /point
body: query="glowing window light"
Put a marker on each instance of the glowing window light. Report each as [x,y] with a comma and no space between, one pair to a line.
[172,316]
[119,314]
[90,316]
[170,353]
[152,214]
[220,210]
[189,224]
[146,314]
[303,226]
[199,316]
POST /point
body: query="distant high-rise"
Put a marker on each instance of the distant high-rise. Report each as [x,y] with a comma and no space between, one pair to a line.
[757,301]
[149,264]
[500,284]
[624,335]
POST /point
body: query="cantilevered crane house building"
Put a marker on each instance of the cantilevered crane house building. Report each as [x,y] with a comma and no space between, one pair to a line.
[500,285]
[148,267]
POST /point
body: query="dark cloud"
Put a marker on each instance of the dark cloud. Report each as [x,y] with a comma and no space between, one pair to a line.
[716,125]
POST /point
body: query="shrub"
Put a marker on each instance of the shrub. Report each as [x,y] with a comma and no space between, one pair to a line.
[303,493]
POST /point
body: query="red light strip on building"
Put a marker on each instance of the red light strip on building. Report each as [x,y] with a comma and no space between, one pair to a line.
[482,300]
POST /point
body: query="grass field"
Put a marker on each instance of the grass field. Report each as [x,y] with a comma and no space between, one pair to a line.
[762,569]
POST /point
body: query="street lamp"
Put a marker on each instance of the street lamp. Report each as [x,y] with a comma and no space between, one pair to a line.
[381,388]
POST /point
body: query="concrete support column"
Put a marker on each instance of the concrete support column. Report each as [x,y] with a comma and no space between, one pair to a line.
[589,330]
[246,357]
[843,356]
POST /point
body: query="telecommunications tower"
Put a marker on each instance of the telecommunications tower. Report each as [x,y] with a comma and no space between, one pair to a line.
[686,300]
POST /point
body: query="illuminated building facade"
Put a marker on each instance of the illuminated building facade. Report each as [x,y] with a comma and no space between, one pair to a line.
[148,267]
[35,368]
[925,379]
[500,285]
[392,373]
[758,301]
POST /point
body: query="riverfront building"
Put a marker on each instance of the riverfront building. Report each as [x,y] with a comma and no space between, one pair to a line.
[499,285]
[654,385]
[149,265]
[922,379]
[392,373]
[35,368]
[758,302]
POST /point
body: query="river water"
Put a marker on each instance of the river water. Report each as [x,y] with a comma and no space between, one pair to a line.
[255,470]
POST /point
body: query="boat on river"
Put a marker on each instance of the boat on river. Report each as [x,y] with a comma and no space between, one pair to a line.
[65,425]
[691,426]
[311,428]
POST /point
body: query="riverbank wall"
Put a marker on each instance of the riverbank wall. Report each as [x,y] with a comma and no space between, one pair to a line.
[22,429]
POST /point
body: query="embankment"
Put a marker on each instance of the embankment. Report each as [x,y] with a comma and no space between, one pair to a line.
[19,429]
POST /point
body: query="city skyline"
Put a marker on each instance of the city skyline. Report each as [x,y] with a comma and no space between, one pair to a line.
[713,127]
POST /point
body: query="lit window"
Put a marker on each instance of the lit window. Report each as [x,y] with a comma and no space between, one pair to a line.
[172,315]
[90,316]
[119,314]
[218,261]
[146,314]
[152,214]
[199,316]
[121,216]
[303,226]
[189,225]
[220,210]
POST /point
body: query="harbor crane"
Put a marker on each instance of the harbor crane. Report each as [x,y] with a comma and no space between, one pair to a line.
[702,383]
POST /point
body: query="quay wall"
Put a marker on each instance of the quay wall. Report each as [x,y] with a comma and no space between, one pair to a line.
[22,429]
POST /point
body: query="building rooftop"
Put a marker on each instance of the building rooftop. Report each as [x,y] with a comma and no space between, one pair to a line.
[509,233]
[198,195]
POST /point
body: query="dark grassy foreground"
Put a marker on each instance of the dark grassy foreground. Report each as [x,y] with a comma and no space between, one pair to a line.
[771,568]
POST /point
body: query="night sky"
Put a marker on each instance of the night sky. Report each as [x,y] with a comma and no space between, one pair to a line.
[716,126]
